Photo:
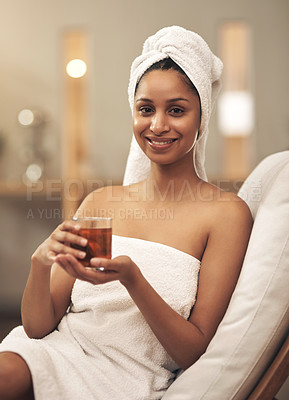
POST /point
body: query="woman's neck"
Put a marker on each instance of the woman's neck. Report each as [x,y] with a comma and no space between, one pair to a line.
[171,182]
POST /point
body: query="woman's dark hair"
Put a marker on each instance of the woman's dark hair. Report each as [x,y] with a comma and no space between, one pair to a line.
[165,65]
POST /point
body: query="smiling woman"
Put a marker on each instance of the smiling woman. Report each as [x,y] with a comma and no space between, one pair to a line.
[177,249]
[166,116]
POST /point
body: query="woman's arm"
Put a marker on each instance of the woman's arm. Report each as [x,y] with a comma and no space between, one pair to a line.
[184,340]
[48,289]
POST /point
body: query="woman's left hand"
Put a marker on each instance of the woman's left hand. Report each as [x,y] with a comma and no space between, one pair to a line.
[120,268]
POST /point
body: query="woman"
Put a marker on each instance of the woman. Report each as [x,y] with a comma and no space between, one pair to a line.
[159,300]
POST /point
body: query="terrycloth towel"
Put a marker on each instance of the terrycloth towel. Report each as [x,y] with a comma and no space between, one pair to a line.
[103,348]
[202,67]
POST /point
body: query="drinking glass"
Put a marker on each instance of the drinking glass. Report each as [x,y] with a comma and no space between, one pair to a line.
[98,232]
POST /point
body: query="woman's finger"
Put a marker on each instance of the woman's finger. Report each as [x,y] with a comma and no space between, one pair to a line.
[68,237]
[51,255]
[104,263]
[69,226]
[60,248]
[98,276]
[76,269]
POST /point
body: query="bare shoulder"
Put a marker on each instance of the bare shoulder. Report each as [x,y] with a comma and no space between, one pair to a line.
[234,212]
[105,193]
[229,227]
[227,208]
[102,201]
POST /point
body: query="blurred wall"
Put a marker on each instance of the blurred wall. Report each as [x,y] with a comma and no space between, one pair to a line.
[31,75]
[31,70]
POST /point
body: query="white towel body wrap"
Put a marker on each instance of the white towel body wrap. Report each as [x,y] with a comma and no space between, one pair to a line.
[103,348]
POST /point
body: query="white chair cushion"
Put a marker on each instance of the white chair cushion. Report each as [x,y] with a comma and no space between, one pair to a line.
[258,316]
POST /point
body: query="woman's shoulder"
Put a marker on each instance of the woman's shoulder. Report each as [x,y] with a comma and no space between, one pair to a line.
[105,193]
[103,200]
[113,193]
[226,208]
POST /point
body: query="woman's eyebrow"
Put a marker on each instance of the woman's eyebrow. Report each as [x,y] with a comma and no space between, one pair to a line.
[168,101]
[144,99]
[177,99]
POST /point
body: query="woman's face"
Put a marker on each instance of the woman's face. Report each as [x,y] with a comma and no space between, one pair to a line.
[166,116]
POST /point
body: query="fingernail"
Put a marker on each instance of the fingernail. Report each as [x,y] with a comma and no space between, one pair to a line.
[81,254]
[95,262]
[83,242]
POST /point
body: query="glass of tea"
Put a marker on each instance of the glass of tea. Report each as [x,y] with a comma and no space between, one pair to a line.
[98,232]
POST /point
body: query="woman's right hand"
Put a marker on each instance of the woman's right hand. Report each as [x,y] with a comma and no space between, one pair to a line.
[59,242]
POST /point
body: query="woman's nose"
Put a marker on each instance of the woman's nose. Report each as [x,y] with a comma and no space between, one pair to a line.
[159,124]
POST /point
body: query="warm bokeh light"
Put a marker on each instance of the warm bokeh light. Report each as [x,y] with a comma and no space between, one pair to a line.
[76,68]
[236,113]
[26,117]
[33,172]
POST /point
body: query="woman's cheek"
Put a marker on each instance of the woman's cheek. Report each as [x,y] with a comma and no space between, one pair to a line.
[139,125]
[136,123]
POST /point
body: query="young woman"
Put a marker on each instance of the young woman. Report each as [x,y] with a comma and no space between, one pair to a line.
[178,247]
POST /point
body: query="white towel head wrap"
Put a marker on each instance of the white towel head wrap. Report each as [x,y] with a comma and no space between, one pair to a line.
[203,68]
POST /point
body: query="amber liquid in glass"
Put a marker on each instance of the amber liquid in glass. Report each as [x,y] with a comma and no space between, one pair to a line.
[99,244]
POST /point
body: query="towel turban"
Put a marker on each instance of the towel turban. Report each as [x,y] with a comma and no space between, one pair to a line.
[203,68]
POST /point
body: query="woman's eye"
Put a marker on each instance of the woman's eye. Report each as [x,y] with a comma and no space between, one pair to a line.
[145,110]
[176,110]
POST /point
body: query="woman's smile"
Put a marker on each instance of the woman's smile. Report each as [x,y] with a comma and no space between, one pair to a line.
[160,143]
[166,116]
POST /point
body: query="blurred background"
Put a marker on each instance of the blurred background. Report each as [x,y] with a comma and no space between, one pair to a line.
[65,122]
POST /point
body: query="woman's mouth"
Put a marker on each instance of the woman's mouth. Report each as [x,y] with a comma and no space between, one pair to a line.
[161,143]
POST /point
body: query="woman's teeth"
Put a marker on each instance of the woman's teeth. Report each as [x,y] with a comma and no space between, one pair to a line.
[162,143]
